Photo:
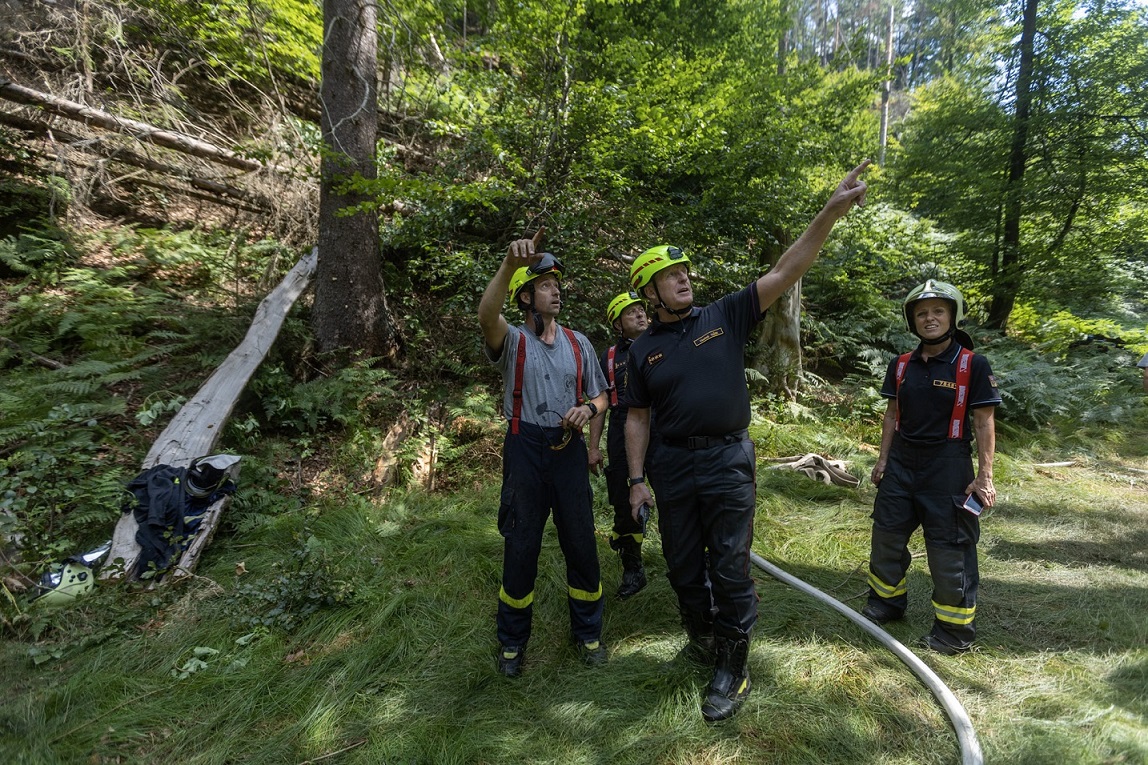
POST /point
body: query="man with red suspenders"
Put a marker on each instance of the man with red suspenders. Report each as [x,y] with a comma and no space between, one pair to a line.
[924,473]
[553,387]
[627,315]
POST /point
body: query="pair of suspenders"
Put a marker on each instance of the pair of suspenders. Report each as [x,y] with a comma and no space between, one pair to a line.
[520,365]
[960,403]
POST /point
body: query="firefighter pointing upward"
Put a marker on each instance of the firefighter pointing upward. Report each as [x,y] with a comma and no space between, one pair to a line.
[553,387]
[687,379]
[924,471]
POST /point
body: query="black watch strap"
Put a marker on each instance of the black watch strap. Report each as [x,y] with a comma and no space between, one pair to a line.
[636,480]
[593,409]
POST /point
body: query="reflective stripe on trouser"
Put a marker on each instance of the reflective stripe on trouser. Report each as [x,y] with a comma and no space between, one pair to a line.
[924,486]
[536,479]
[706,500]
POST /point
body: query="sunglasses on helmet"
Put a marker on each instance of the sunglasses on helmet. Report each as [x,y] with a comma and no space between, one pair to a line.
[546,265]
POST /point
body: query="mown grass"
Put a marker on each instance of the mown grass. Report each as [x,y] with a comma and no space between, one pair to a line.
[398,667]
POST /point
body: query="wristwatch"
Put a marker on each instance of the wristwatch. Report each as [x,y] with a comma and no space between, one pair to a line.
[593,409]
[635,480]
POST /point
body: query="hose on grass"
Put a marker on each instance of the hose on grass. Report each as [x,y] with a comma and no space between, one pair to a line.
[966,736]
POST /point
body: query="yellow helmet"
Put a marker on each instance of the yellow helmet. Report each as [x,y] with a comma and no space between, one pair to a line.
[619,305]
[547,265]
[652,261]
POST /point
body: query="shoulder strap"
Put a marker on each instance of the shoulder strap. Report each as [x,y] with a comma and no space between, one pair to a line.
[610,375]
[519,366]
[577,363]
[902,364]
[961,403]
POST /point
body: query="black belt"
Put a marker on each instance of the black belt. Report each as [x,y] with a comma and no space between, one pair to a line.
[706,442]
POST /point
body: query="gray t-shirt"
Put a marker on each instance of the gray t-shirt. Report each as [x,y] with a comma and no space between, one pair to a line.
[1143,363]
[549,377]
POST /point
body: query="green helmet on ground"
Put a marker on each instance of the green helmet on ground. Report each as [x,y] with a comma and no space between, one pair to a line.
[71,579]
[652,261]
[523,276]
[619,305]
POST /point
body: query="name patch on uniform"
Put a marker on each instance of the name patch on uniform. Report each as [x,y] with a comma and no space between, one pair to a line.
[709,336]
[654,358]
[944,384]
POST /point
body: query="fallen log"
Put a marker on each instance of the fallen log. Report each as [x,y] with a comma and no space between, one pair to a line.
[90,116]
[195,429]
[55,135]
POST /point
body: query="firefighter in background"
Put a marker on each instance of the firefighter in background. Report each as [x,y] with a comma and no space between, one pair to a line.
[553,387]
[627,315]
[924,472]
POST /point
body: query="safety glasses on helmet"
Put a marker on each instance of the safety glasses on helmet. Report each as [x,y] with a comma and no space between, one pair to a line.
[546,265]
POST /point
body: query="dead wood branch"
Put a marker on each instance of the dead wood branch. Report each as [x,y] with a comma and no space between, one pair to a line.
[141,130]
[44,131]
[41,360]
[196,428]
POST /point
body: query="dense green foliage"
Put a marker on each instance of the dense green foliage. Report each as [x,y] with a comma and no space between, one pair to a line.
[616,124]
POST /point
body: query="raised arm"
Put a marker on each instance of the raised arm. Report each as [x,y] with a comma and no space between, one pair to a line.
[801,254]
[490,319]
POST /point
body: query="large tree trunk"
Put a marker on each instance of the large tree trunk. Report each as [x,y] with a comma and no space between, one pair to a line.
[350,314]
[779,349]
[1008,281]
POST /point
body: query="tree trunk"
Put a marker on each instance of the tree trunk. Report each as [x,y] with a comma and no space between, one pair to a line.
[779,349]
[350,314]
[886,86]
[1008,282]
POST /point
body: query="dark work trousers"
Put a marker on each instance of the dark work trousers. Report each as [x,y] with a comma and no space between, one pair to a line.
[617,486]
[706,502]
[924,486]
[535,480]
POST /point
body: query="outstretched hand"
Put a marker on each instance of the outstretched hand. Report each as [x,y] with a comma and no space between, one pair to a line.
[851,191]
[524,252]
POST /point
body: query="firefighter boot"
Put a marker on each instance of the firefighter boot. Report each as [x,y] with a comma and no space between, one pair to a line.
[633,572]
[730,685]
[700,629]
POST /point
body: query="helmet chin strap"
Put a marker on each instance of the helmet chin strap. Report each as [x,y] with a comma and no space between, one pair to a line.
[940,340]
[681,312]
[538,325]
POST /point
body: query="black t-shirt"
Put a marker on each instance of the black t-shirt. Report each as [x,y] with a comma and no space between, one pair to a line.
[928,390]
[691,373]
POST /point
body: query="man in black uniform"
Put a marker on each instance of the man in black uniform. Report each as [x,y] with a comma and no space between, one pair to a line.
[924,472]
[689,370]
[627,316]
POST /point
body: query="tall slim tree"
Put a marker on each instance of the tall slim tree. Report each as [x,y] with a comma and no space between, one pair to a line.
[350,313]
[1006,262]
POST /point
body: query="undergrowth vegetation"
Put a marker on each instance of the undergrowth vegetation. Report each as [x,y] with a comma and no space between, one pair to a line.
[344,608]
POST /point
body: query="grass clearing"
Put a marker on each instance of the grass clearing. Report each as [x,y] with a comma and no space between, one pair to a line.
[362,631]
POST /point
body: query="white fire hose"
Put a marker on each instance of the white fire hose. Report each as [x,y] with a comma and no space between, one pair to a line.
[966,736]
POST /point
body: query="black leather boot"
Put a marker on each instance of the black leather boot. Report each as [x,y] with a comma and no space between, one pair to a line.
[633,572]
[730,685]
[702,647]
